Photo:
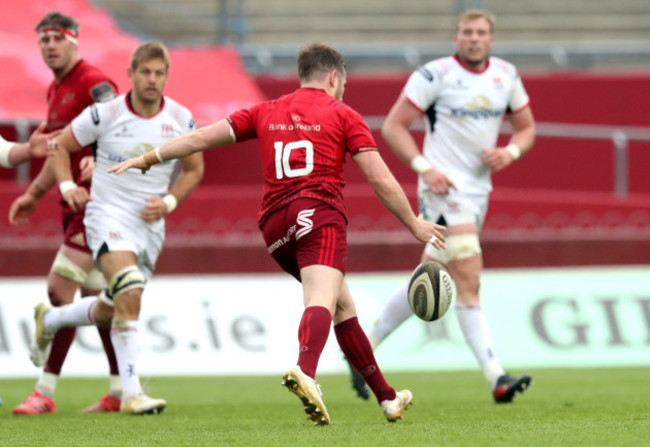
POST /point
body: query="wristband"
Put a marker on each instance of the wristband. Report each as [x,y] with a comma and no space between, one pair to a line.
[158,156]
[420,164]
[171,202]
[66,186]
[514,151]
[36,191]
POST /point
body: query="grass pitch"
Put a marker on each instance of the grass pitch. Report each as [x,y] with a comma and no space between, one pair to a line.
[591,407]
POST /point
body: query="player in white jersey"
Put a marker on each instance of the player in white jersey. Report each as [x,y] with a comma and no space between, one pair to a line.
[124,219]
[464,98]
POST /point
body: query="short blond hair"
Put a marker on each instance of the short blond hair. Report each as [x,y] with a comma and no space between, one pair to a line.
[148,51]
[473,14]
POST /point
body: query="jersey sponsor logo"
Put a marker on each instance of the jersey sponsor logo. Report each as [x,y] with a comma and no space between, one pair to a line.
[459,85]
[283,240]
[305,222]
[124,132]
[94,114]
[426,73]
[103,92]
[477,108]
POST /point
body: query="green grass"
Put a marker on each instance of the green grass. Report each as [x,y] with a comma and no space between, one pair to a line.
[591,407]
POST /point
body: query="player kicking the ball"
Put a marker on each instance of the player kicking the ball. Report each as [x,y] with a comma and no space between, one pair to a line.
[304,138]
[125,219]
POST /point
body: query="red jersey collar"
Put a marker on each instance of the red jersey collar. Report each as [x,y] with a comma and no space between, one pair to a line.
[487,65]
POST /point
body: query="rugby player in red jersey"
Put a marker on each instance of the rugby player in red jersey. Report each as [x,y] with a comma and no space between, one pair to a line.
[76,85]
[304,138]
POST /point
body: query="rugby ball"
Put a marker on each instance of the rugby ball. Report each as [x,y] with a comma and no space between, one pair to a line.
[431,291]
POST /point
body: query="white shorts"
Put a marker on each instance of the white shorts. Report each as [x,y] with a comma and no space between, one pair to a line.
[110,229]
[454,208]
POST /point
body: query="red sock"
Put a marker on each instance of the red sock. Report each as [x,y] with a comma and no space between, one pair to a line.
[312,335]
[357,350]
[60,346]
[105,335]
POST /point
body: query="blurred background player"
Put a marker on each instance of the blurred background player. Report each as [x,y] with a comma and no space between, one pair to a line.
[125,218]
[304,138]
[464,98]
[12,154]
[76,85]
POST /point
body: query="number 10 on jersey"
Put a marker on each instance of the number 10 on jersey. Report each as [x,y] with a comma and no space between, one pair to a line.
[283,153]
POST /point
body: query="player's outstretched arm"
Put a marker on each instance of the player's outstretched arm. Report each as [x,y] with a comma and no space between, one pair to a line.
[394,199]
[17,153]
[215,135]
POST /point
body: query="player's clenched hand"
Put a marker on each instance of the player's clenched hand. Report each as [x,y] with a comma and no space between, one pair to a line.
[430,233]
[154,210]
[21,208]
[76,198]
[438,182]
[496,159]
[137,162]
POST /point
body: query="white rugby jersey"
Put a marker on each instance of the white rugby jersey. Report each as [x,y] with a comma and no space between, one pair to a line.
[120,134]
[464,110]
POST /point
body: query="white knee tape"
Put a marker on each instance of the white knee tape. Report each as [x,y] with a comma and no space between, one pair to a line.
[126,279]
[459,246]
[106,298]
[63,266]
[94,281]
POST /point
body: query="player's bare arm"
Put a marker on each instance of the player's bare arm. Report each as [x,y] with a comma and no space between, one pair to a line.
[212,136]
[395,131]
[157,208]
[522,140]
[35,148]
[59,164]
[394,199]
[26,204]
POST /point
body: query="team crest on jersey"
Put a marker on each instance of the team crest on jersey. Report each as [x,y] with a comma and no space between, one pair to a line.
[166,130]
[498,83]
[68,98]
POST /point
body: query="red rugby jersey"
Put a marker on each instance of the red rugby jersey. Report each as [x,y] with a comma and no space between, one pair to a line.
[303,140]
[81,87]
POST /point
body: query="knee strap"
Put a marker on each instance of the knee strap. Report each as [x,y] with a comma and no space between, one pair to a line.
[64,267]
[126,279]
